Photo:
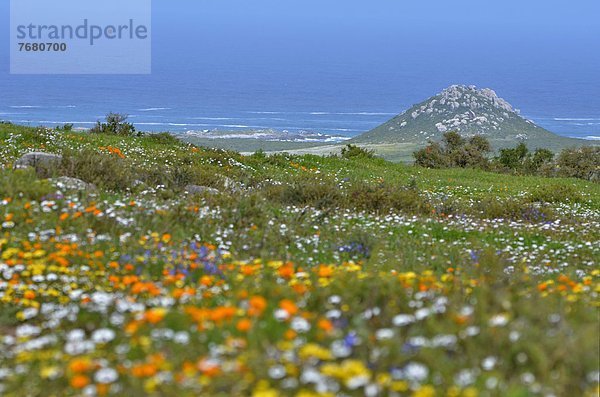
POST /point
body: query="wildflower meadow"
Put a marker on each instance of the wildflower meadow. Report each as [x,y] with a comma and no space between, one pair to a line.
[288,275]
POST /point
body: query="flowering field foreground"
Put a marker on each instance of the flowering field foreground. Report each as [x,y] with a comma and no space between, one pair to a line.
[464,284]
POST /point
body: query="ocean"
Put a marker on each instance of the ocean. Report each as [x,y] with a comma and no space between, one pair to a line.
[154,104]
[333,77]
[336,104]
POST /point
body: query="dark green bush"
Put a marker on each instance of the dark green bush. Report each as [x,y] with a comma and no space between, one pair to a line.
[520,160]
[513,209]
[555,194]
[163,138]
[581,163]
[116,124]
[352,151]
[513,158]
[105,171]
[65,127]
[23,183]
[383,198]
[541,158]
[432,156]
[454,151]
[305,191]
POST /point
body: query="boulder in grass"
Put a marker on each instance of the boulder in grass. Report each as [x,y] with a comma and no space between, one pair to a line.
[39,161]
[231,185]
[68,183]
[195,189]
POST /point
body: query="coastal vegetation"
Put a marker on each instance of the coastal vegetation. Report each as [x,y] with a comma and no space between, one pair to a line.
[138,264]
[456,151]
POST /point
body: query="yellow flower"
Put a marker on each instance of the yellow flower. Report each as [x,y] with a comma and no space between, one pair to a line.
[399,386]
[49,372]
[316,351]
[424,391]
[470,392]
[263,389]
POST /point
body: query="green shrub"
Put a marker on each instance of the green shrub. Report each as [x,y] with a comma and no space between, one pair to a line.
[163,138]
[105,171]
[454,151]
[65,127]
[305,191]
[581,163]
[513,158]
[352,151]
[513,209]
[383,198]
[540,159]
[23,183]
[432,156]
[555,194]
[520,160]
[116,124]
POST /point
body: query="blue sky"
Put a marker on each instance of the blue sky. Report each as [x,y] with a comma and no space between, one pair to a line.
[320,24]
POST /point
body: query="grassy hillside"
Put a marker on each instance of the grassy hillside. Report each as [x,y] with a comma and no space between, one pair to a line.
[302,275]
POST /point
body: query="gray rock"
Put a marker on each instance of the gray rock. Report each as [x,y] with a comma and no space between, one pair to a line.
[195,189]
[38,160]
[68,183]
[232,185]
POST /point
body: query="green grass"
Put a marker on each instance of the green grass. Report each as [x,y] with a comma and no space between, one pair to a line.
[302,267]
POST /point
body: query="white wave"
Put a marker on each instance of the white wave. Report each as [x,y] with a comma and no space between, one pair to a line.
[576,119]
[25,107]
[264,112]
[353,113]
[152,109]
[53,122]
[592,137]
[322,113]
[370,114]
[344,129]
[211,118]
[258,135]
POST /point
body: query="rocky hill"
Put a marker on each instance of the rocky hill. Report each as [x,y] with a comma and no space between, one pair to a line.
[470,111]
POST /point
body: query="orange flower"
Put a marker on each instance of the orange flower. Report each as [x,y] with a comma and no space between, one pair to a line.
[132,327]
[156,315]
[300,288]
[325,271]
[290,334]
[244,325]
[79,381]
[64,216]
[79,365]
[286,271]
[144,370]
[257,304]
[102,389]
[325,325]
[222,313]
[288,306]
[29,295]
